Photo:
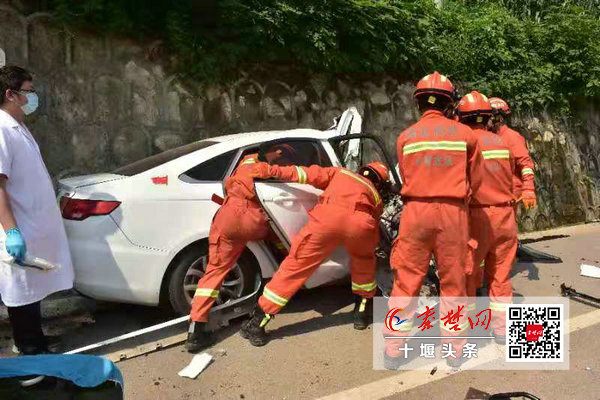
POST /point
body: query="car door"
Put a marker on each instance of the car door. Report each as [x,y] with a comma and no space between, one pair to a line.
[349,123]
[288,204]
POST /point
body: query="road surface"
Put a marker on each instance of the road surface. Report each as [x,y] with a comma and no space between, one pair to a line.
[315,353]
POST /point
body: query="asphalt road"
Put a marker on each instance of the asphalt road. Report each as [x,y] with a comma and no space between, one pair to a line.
[314,352]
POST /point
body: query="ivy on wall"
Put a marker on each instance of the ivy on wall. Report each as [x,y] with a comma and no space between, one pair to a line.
[535,53]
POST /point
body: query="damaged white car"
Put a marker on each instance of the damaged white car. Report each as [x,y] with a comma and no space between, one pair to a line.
[139,234]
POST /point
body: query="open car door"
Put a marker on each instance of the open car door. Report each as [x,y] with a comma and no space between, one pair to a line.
[287,205]
[349,124]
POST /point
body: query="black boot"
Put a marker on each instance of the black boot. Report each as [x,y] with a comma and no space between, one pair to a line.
[199,337]
[254,329]
[363,312]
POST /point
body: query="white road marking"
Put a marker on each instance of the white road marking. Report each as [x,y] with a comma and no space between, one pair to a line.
[411,379]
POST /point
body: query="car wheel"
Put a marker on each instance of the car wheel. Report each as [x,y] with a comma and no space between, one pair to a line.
[191,268]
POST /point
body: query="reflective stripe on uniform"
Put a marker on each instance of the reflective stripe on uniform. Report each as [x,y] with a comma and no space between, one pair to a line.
[527,171]
[248,161]
[301,175]
[363,305]
[201,292]
[274,298]
[494,154]
[441,145]
[461,327]
[501,307]
[361,180]
[365,287]
[482,264]
[265,320]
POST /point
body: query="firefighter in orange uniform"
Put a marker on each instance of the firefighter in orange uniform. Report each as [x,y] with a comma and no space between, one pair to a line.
[347,214]
[239,220]
[436,156]
[492,220]
[523,178]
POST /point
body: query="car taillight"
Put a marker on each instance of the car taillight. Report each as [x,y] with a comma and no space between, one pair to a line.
[79,209]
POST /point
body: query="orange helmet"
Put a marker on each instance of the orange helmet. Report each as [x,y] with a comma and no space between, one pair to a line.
[474,104]
[500,106]
[376,172]
[435,84]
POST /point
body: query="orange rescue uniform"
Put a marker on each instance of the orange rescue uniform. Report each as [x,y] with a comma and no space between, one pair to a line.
[239,220]
[347,214]
[523,177]
[493,225]
[436,156]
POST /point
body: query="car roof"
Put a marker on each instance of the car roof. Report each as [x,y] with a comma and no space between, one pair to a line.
[263,136]
[222,144]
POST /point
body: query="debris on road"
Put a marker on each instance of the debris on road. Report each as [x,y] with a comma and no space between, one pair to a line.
[529,254]
[196,366]
[433,371]
[219,352]
[566,291]
[509,396]
[590,270]
[146,348]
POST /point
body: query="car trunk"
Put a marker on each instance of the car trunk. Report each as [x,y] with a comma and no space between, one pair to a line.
[69,185]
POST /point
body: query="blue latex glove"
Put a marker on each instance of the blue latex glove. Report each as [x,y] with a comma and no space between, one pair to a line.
[15,244]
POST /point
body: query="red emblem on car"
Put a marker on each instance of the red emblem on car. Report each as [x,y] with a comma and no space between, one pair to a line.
[160,180]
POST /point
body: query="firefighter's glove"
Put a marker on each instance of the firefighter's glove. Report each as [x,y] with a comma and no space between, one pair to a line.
[15,244]
[261,170]
[529,199]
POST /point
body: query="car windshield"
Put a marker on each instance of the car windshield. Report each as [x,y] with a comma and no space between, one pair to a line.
[154,161]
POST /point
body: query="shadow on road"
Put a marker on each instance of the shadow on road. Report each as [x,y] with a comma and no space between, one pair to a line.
[532,269]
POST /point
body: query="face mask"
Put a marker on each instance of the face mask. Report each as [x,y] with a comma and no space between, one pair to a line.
[32,103]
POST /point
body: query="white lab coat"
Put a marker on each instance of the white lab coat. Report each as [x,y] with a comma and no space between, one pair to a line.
[36,211]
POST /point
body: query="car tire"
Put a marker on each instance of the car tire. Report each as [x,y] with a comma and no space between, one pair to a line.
[239,282]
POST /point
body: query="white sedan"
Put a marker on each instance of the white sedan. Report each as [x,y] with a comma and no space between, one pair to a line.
[139,234]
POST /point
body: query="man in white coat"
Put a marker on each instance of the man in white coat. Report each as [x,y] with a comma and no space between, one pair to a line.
[29,215]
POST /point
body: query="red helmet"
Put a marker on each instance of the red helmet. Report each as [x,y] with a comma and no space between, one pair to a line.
[376,172]
[436,84]
[474,104]
[500,105]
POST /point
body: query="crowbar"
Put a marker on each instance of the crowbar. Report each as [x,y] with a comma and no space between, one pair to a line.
[566,291]
[219,316]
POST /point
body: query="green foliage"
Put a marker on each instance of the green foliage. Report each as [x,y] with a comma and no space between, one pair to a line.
[534,53]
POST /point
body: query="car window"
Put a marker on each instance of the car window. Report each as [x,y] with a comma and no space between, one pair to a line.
[154,161]
[210,170]
[300,152]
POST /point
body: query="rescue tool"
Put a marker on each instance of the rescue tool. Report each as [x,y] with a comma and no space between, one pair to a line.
[220,316]
[567,291]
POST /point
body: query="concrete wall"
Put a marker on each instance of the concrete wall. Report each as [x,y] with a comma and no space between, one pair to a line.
[106,102]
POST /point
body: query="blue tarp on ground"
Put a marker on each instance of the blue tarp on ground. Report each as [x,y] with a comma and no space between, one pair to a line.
[82,370]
